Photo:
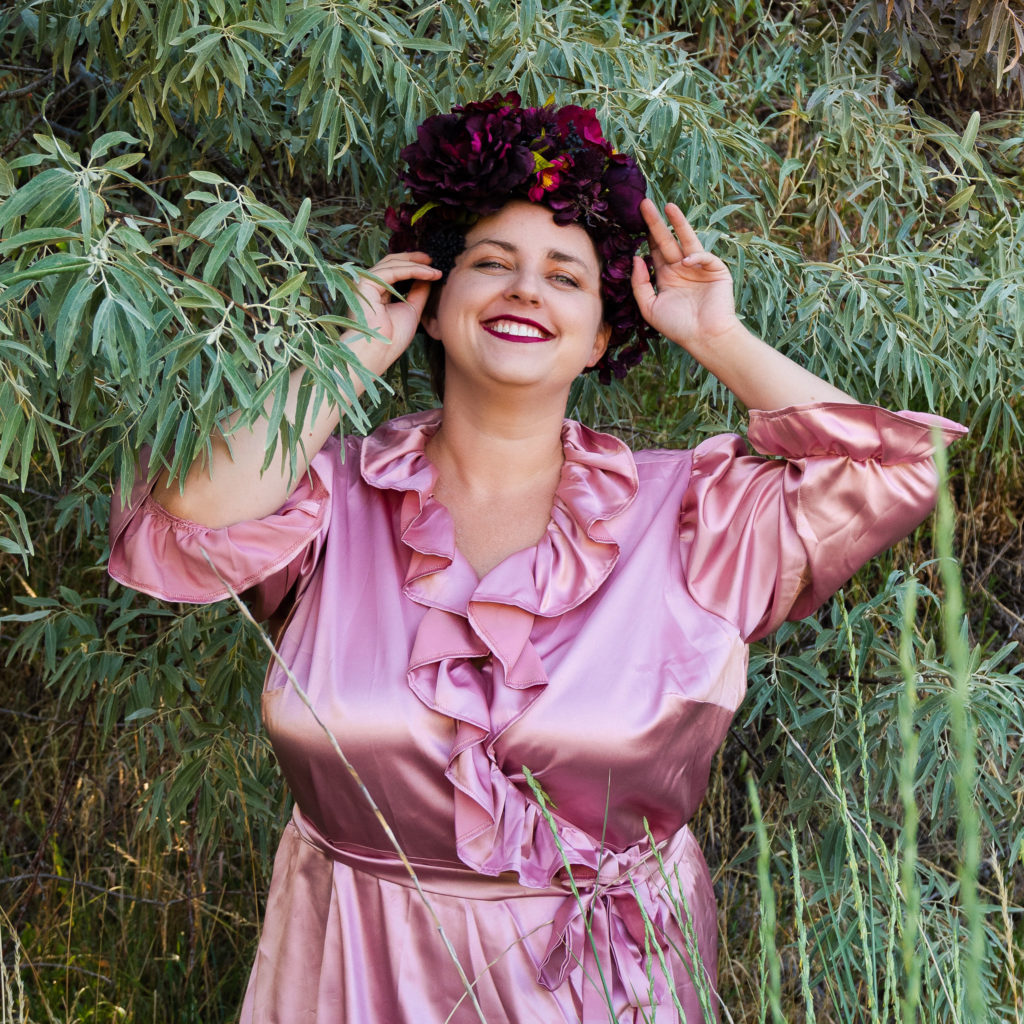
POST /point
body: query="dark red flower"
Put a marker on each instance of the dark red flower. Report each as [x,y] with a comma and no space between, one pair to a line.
[586,124]
[470,160]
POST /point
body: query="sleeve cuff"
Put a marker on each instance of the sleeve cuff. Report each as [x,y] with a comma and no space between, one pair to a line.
[160,554]
[859,432]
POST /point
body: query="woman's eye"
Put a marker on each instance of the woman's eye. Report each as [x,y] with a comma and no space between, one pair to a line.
[491,264]
[566,279]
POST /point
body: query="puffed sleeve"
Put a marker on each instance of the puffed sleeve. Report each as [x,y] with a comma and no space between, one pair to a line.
[164,556]
[765,540]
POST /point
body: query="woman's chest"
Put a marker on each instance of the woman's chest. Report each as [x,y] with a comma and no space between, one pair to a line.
[488,529]
[637,690]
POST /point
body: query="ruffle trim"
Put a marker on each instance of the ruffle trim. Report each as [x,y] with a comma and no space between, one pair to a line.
[160,554]
[472,657]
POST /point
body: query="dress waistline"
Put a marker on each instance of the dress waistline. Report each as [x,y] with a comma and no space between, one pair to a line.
[457,879]
[443,879]
[621,911]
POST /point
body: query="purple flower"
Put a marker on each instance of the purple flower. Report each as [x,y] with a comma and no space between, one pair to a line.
[472,157]
[626,188]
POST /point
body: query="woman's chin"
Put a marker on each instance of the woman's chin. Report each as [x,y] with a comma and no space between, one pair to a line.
[514,375]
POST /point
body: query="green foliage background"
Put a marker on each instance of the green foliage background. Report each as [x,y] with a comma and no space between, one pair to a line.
[187,193]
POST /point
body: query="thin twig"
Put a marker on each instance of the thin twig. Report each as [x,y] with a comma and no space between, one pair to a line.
[224,295]
[29,490]
[56,98]
[28,714]
[980,577]
[19,69]
[118,215]
[24,90]
[33,964]
[1002,607]
[190,898]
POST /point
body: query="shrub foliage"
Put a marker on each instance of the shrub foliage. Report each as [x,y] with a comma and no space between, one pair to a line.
[187,194]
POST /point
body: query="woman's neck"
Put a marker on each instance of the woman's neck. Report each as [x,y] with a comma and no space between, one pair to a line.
[486,448]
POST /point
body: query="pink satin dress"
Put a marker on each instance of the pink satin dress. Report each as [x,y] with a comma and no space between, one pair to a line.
[607,661]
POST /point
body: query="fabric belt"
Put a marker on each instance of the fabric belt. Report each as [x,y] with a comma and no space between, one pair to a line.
[624,905]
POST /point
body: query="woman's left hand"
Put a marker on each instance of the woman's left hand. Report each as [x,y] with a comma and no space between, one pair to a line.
[690,300]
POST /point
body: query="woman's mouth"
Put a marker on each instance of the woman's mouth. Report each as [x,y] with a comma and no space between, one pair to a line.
[517,330]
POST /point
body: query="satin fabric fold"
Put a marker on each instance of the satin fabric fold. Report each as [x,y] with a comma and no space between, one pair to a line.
[608,661]
[497,828]
[157,553]
[600,949]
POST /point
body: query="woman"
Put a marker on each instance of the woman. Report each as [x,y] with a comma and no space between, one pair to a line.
[527,639]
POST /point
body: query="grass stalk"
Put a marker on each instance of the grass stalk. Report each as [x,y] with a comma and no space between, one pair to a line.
[769,951]
[964,740]
[681,914]
[867,936]
[910,887]
[12,993]
[867,947]
[801,932]
[1013,969]
[544,803]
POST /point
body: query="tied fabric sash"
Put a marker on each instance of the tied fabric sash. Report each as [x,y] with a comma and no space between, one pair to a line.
[620,917]
[623,900]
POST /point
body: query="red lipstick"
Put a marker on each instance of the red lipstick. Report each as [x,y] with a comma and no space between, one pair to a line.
[499,326]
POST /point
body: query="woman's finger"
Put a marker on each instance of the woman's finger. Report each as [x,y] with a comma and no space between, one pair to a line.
[706,261]
[707,266]
[688,240]
[392,272]
[663,244]
[376,290]
[640,279]
[417,297]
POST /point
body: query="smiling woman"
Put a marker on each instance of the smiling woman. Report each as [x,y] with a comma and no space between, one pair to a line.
[522,279]
[528,639]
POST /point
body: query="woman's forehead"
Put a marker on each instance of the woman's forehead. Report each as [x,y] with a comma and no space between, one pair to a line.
[523,225]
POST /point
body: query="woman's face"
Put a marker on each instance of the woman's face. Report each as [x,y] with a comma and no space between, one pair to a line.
[522,305]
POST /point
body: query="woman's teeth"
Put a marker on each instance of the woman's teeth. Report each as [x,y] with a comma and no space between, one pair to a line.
[518,330]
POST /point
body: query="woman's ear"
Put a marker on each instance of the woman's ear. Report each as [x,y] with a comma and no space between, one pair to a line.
[604,333]
[429,319]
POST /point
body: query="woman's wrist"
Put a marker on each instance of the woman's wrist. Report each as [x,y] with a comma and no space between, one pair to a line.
[715,350]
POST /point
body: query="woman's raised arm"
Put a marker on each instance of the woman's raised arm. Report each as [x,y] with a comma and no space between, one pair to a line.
[691,303]
[228,487]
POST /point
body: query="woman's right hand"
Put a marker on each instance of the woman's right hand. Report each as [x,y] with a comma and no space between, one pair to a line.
[394,318]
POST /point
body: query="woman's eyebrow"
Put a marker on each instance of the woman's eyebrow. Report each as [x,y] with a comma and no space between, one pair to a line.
[565,257]
[553,254]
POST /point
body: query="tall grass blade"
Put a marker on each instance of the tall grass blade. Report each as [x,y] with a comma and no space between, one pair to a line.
[964,739]
[910,887]
[769,950]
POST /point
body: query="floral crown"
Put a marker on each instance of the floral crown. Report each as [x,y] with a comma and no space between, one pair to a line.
[471,162]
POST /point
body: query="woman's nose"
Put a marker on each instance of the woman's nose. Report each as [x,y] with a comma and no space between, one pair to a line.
[524,286]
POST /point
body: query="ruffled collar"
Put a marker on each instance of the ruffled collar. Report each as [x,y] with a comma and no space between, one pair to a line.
[577,553]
